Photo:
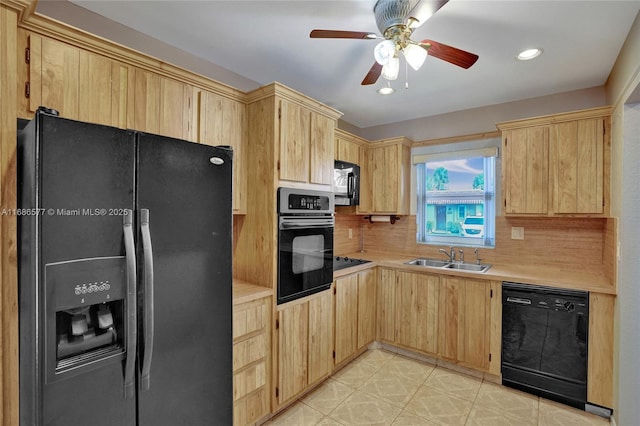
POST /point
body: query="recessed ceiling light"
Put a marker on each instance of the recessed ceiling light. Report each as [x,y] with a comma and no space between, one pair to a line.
[385,90]
[525,55]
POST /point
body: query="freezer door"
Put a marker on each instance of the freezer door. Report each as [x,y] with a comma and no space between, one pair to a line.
[78,177]
[186,188]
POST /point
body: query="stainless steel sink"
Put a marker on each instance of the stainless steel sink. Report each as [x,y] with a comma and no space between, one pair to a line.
[471,267]
[445,264]
[434,263]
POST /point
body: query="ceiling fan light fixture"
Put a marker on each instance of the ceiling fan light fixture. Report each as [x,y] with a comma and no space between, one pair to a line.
[528,54]
[384,51]
[391,69]
[415,55]
[386,90]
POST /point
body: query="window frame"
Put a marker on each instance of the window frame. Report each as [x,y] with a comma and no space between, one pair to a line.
[488,148]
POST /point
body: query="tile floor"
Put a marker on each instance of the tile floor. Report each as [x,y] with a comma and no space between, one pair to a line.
[383,388]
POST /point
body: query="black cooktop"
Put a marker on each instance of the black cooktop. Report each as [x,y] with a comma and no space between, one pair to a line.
[346,262]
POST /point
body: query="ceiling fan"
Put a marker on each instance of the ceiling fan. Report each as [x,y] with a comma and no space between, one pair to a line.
[396,20]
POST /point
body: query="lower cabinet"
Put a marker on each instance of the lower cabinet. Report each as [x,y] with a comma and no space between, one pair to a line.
[386,305]
[355,311]
[466,322]
[417,308]
[303,342]
[453,318]
[251,354]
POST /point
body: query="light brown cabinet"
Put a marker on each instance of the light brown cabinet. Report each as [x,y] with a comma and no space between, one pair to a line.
[386,305]
[389,173]
[525,170]
[557,164]
[304,345]
[465,322]
[162,106]
[306,144]
[222,121]
[417,307]
[79,84]
[347,147]
[366,307]
[576,156]
[601,349]
[346,317]
[355,313]
[251,355]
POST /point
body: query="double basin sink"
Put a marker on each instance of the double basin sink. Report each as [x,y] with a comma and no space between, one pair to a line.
[445,264]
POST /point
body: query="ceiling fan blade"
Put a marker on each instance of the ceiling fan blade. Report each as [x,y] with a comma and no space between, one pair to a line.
[373,74]
[449,54]
[423,11]
[342,34]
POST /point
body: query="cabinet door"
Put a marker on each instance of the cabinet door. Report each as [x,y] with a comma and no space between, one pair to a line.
[386,302]
[347,151]
[365,182]
[465,321]
[601,348]
[576,156]
[417,307]
[384,178]
[293,337]
[81,85]
[294,142]
[366,307]
[222,122]
[526,170]
[346,340]
[320,337]
[162,106]
[321,149]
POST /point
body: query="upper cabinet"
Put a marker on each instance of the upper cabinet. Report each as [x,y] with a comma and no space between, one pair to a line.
[162,106]
[557,164]
[347,147]
[390,176]
[80,85]
[306,144]
[301,134]
[223,122]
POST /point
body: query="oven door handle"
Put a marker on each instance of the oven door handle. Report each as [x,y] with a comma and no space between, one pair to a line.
[306,223]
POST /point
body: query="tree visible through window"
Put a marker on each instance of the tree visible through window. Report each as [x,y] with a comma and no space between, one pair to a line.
[456,201]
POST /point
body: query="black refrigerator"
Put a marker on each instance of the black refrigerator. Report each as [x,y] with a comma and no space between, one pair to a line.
[125,277]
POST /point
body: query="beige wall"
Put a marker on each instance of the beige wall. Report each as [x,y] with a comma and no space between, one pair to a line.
[93,23]
[480,120]
[623,87]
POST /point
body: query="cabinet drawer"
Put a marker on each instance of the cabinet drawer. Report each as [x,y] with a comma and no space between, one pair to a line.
[248,380]
[248,318]
[251,408]
[248,351]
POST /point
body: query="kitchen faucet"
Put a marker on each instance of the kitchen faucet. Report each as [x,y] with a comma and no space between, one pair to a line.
[451,254]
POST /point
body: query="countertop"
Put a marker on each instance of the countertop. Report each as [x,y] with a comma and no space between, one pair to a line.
[528,274]
[244,292]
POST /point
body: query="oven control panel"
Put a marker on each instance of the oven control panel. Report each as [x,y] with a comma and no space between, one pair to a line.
[308,202]
[296,200]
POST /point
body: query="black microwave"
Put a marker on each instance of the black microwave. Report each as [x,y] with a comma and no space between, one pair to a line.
[346,183]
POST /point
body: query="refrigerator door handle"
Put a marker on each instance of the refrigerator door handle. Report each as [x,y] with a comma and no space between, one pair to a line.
[130,362]
[145,381]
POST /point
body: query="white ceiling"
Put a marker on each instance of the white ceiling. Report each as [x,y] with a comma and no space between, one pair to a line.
[268,41]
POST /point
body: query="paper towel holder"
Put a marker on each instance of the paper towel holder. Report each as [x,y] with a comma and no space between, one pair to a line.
[392,218]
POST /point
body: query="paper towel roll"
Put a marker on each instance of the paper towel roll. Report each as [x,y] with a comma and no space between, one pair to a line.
[386,219]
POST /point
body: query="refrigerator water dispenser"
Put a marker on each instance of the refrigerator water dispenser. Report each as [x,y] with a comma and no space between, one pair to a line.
[86,301]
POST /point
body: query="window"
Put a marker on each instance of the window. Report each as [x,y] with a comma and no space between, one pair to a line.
[455,194]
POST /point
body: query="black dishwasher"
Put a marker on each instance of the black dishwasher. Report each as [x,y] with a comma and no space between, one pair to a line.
[544,341]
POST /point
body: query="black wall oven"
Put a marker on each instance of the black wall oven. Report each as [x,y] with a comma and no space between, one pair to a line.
[305,242]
